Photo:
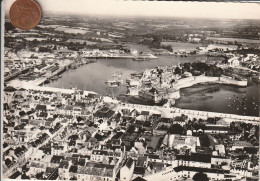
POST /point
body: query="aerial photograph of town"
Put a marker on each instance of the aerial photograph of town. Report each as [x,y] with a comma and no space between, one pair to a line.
[139,91]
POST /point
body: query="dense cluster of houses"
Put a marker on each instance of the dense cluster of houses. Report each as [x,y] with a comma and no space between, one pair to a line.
[155,84]
[32,65]
[54,135]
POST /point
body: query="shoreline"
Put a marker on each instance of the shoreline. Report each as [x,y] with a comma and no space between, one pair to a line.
[190,81]
[107,99]
[150,56]
[193,80]
[197,113]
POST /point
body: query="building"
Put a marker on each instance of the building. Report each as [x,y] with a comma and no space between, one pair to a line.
[126,172]
[233,62]
[157,94]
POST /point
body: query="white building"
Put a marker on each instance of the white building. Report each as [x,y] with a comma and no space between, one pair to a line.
[126,172]
[234,62]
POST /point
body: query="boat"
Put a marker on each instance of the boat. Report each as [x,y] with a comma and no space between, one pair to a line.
[47,81]
[116,82]
[117,75]
[113,83]
[141,59]
[54,78]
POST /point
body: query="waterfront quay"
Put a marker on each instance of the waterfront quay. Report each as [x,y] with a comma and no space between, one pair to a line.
[174,111]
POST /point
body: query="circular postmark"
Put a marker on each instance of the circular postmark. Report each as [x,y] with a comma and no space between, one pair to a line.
[25,14]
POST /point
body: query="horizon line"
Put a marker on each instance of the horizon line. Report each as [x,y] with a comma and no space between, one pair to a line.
[135,16]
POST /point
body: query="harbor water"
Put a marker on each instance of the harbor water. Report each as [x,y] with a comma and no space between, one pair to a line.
[207,97]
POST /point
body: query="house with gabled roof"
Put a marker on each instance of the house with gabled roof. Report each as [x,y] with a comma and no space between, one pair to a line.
[126,172]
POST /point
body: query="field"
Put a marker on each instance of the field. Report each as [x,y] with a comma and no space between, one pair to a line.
[71,30]
[48,26]
[182,46]
[81,41]
[239,40]
[33,38]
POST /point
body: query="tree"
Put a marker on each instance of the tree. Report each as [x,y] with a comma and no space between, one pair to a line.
[55,116]
[156,43]
[187,66]
[167,47]
[39,176]
[200,176]
[8,162]
[118,115]
[35,42]
[147,124]
[131,129]
[79,119]
[175,129]
[177,70]
[108,123]
[22,113]
[163,127]
[24,176]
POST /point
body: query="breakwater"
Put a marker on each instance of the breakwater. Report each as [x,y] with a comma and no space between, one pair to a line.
[190,81]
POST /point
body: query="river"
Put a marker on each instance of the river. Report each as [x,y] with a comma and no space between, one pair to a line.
[92,77]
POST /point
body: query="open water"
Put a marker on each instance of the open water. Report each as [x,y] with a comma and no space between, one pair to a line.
[215,98]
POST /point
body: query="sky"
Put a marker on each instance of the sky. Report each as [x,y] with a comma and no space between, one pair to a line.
[230,10]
